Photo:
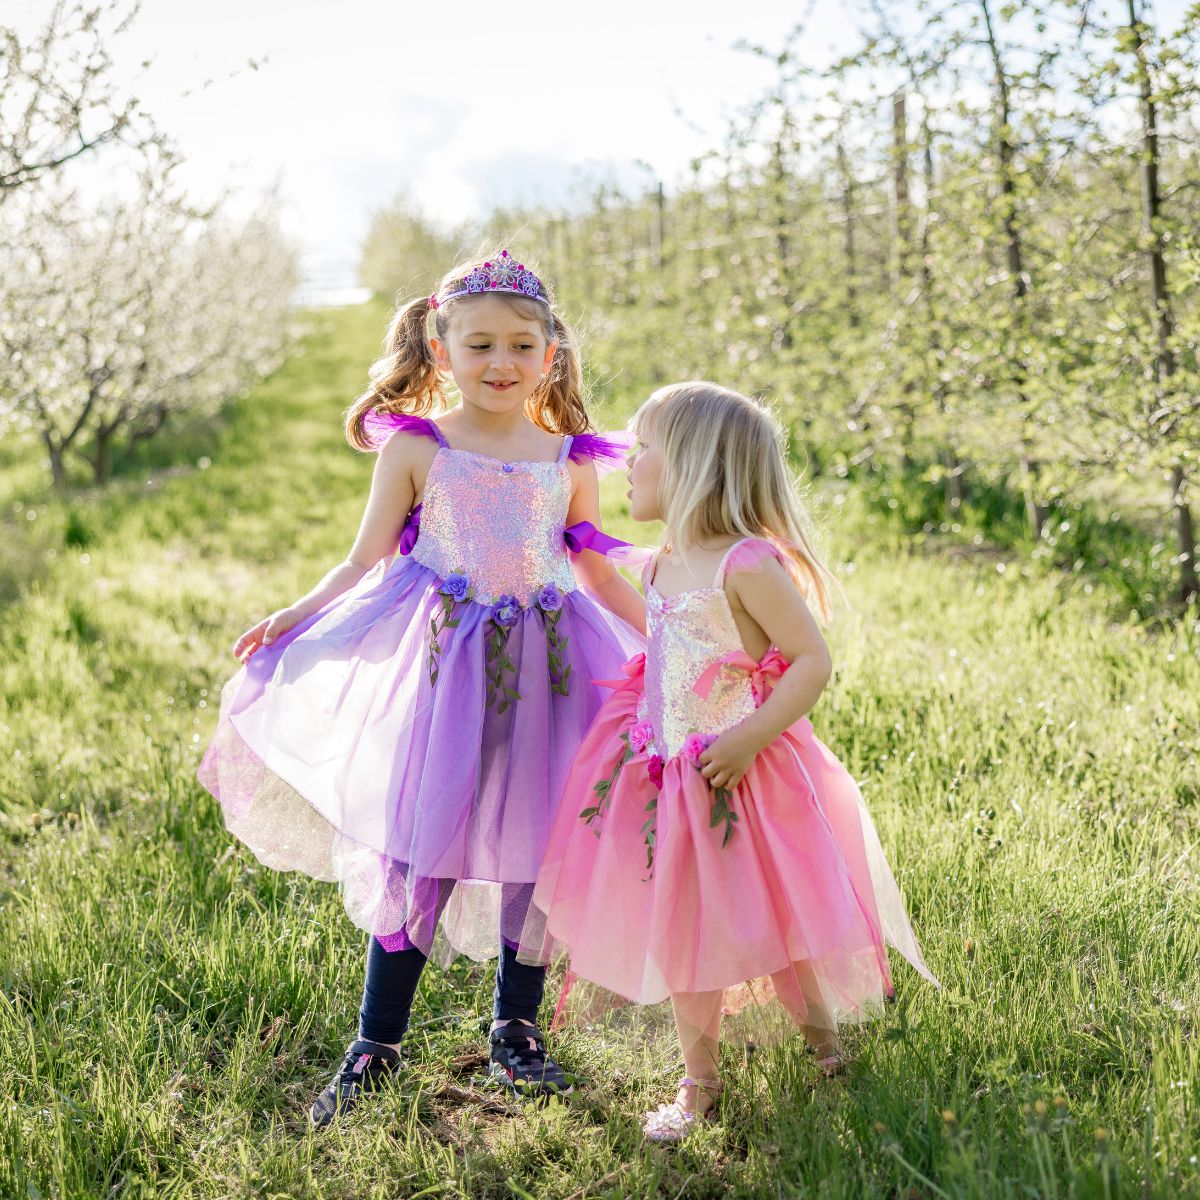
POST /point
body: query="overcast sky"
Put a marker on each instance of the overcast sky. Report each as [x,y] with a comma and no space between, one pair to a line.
[463,103]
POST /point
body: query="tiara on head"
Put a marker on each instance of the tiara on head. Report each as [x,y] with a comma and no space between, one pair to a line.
[503,275]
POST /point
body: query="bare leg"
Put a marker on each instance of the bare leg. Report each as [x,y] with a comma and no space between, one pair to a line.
[698,1023]
[820,1031]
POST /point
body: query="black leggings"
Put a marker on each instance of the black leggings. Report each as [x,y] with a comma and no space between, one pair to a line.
[392,983]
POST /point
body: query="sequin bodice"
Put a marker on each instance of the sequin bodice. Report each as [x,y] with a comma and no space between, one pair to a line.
[686,634]
[501,524]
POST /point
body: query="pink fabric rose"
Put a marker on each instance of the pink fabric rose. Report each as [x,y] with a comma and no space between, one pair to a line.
[695,745]
[654,768]
[640,736]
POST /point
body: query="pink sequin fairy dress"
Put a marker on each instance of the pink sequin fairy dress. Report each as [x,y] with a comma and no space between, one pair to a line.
[777,894]
[410,740]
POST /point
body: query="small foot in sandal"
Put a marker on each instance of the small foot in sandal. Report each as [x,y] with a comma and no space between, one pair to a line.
[696,1100]
[831,1065]
[831,1058]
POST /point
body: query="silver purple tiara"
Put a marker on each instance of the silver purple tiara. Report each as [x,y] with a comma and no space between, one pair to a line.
[503,275]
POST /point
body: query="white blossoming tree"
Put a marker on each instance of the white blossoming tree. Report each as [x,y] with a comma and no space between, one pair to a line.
[114,316]
[60,97]
[113,319]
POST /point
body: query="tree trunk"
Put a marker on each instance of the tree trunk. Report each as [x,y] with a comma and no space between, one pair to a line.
[1161,302]
[848,249]
[102,459]
[783,245]
[902,243]
[901,214]
[954,481]
[949,455]
[1035,511]
[658,228]
[1185,538]
[58,470]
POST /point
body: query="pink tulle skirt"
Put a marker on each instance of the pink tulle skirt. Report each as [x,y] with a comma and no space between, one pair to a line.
[792,914]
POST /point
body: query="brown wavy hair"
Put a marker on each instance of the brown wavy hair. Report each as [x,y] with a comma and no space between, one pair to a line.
[406,378]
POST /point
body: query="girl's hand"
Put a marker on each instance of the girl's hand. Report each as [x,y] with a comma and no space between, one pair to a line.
[265,632]
[725,762]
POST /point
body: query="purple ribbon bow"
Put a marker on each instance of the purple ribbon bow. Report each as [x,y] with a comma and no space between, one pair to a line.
[583,535]
[412,527]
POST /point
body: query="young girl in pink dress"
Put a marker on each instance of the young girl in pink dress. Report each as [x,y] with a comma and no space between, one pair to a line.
[406,727]
[709,849]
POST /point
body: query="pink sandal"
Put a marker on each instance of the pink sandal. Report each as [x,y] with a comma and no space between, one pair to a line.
[832,1065]
[672,1122]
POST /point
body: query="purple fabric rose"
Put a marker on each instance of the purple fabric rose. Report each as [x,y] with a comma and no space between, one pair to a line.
[456,586]
[549,599]
[695,745]
[640,736]
[506,612]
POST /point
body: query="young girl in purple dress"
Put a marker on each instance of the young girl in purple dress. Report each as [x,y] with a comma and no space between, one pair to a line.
[406,727]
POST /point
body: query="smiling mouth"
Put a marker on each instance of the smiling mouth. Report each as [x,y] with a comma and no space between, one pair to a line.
[500,387]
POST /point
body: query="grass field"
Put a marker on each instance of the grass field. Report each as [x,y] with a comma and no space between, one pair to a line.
[168,1008]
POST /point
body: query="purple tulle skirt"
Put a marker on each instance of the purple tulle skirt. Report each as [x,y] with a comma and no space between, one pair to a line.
[337,756]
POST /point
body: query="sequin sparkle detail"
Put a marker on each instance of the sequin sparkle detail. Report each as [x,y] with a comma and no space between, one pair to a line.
[686,634]
[506,527]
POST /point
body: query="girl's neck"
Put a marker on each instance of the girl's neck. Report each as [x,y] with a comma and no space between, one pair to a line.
[712,545]
[488,426]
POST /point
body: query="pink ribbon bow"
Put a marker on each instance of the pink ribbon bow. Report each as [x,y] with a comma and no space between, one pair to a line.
[772,666]
[634,669]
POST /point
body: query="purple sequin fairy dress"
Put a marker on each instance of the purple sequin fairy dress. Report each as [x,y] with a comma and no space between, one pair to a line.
[411,739]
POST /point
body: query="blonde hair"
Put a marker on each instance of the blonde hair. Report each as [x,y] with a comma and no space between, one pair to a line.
[407,379]
[724,473]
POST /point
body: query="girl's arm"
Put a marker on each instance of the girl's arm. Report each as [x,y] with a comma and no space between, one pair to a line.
[593,570]
[391,498]
[768,595]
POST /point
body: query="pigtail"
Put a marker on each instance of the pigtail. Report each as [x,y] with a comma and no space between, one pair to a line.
[405,379]
[557,404]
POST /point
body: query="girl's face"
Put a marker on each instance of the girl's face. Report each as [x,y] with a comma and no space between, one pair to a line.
[645,472]
[496,355]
